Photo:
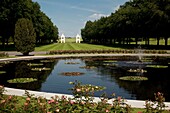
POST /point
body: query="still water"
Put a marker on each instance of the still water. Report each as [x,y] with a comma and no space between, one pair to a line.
[102,73]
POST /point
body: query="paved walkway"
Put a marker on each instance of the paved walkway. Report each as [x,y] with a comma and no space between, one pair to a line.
[15,53]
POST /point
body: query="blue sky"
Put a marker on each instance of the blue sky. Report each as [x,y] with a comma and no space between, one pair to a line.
[70,16]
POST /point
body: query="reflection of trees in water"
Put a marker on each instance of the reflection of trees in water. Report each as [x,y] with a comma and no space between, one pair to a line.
[143,90]
[20,69]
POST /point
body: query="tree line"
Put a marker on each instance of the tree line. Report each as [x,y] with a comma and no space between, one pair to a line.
[135,20]
[13,10]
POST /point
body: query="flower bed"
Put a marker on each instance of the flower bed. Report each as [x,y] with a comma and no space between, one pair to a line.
[82,102]
[104,51]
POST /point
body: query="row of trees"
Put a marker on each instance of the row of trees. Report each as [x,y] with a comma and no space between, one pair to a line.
[135,20]
[13,10]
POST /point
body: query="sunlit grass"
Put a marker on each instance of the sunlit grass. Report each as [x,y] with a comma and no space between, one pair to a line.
[72,46]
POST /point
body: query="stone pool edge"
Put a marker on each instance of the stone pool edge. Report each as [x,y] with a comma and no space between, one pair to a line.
[76,55]
[21,92]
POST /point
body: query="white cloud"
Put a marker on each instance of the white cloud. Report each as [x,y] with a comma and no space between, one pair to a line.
[84,9]
[116,8]
[96,16]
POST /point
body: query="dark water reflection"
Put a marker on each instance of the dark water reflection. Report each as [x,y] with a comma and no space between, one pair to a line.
[104,73]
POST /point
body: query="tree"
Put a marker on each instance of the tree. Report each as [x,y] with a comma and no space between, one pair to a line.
[25,36]
[12,10]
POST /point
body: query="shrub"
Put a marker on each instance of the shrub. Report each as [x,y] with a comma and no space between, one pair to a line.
[3,54]
[157,106]
[25,36]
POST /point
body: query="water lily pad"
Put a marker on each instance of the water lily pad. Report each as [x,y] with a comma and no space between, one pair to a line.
[110,61]
[41,69]
[46,61]
[71,62]
[137,70]
[22,80]
[2,72]
[133,78]
[72,73]
[88,67]
[34,64]
[108,64]
[157,66]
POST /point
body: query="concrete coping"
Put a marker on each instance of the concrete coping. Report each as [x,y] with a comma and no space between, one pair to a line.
[21,92]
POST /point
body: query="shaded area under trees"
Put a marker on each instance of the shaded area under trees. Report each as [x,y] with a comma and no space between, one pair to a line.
[12,10]
[137,20]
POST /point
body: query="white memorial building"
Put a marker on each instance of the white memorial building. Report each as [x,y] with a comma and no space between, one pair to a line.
[63,38]
[78,37]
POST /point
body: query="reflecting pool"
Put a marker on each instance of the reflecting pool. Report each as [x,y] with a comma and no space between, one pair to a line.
[96,71]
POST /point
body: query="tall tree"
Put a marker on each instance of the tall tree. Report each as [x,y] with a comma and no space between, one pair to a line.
[12,10]
[25,36]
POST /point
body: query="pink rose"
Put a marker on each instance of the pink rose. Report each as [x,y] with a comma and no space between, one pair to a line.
[28,99]
[107,110]
[26,104]
[3,101]
[119,98]
[10,97]
[57,110]
[71,102]
[78,90]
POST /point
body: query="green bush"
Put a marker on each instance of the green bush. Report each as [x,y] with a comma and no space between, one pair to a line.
[3,54]
[25,36]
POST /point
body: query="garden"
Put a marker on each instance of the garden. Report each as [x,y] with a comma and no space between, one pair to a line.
[82,102]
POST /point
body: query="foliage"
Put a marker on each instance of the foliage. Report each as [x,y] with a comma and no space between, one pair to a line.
[25,36]
[134,21]
[82,102]
[157,106]
[12,10]
[3,54]
[84,92]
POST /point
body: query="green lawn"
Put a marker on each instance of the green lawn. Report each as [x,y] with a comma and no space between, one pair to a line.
[72,46]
